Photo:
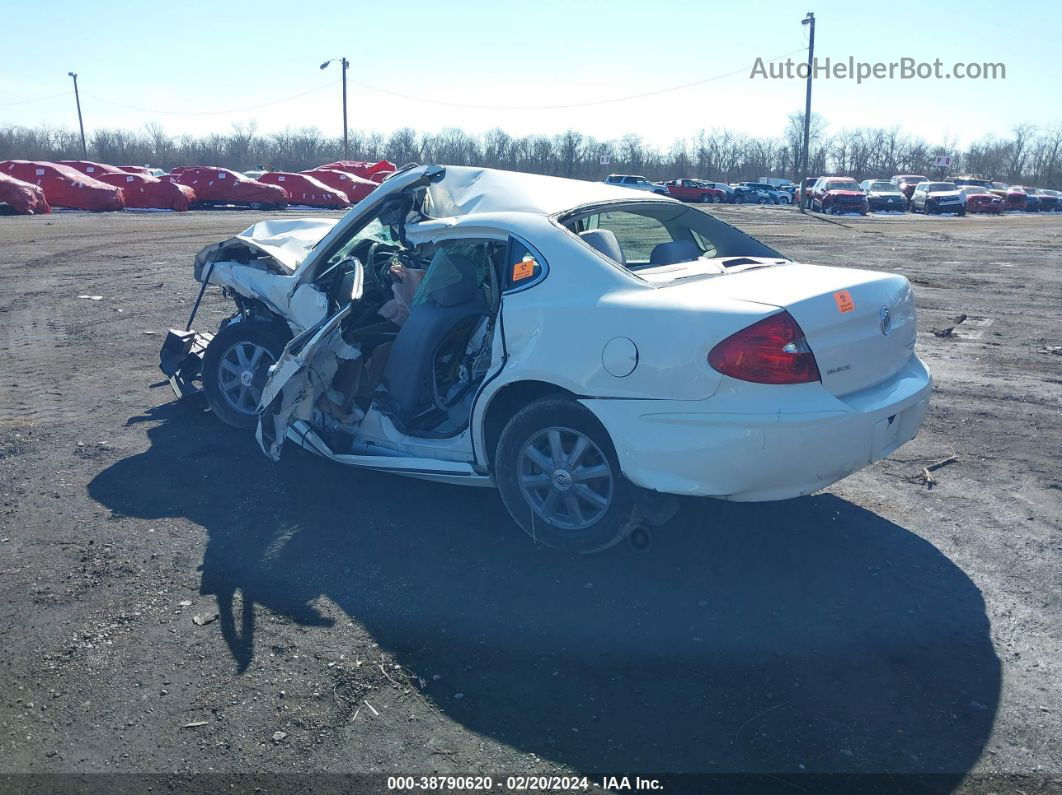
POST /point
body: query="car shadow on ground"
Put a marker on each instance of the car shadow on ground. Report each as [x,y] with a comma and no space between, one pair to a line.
[806,635]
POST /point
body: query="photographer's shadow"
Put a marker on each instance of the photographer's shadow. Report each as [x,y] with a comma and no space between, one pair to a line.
[810,635]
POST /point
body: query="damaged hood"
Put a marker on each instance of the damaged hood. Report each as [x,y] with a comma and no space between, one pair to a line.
[286,241]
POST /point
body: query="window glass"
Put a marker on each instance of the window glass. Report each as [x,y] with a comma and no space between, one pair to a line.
[522,267]
[455,260]
[638,235]
[373,230]
[640,227]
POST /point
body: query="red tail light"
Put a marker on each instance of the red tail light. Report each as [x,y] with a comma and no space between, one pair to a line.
[771,351]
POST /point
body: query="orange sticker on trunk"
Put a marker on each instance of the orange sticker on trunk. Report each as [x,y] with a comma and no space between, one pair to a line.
[524,269]
[844,301]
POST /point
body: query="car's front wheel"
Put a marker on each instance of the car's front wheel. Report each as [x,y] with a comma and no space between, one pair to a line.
[235,367]
[558,475]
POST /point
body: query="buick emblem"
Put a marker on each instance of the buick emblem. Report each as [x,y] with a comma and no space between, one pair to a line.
[885,317]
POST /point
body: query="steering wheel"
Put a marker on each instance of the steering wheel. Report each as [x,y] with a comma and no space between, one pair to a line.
[376,274]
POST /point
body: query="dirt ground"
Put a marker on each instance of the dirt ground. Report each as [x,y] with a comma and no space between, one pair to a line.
[173,602]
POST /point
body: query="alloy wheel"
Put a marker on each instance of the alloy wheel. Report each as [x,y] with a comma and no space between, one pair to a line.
[238,375]
[565,478]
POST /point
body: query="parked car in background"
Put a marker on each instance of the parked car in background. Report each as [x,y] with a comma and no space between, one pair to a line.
[635,182]
[980,200]
[692,190]
[1032,197]
[970,179]
[374,172]
[803,192]
[883,195]
[144,191]
[1014,198]
[306,190]
[751,377]
[220,186]
[937,197]
[838,195]
[21,198]
[64,186]
[773,195]
[722,187]
[778,182]
[354,187]
[1050,200]
[908,182]
[146,170]
[752,193]
[255,173]
[90,168]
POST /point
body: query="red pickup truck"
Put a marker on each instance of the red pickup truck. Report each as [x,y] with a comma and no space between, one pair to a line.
[692,190]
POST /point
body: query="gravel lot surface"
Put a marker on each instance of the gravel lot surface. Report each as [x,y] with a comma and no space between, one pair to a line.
[171,601]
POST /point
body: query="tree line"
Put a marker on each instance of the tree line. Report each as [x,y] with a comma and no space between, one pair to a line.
[1025,156]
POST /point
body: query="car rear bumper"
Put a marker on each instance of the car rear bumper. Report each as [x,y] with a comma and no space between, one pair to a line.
[715,448]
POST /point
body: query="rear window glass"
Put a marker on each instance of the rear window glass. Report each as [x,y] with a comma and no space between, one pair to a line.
[637,234]
[643,228]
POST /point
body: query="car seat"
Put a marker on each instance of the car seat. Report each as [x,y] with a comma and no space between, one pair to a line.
[675,251]
[448,297]
[604,240]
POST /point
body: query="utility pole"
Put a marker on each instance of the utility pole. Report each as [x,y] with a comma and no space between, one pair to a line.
[808,20]
[80,123]
[346,65]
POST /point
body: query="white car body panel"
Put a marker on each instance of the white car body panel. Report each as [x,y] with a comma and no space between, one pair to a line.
[678,425]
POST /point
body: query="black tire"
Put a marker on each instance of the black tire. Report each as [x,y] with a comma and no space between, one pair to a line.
[962,212]
[269,336]
[621,515]
[739,199]
[256,205]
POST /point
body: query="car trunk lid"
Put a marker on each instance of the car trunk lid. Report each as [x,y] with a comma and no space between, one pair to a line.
[859,324]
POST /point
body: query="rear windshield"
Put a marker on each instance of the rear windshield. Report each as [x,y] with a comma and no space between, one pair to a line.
[657,234]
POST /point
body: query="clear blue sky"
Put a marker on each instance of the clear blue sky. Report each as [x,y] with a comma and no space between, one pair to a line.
[193,58]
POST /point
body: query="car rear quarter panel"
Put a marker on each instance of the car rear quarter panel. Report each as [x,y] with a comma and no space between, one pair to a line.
[557,330]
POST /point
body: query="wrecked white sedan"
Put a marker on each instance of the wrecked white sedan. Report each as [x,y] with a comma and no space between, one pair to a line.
[587,351]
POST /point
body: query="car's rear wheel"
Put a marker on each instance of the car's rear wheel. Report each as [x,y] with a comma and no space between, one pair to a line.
[739,199]
[235,367]
[559,478]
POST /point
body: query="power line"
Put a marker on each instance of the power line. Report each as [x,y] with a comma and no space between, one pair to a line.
[36,99]
[568,105]
[214,112]
[414,98]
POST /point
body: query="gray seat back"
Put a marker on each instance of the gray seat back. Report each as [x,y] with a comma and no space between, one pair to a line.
[604,240]
[675,251]
[409,372]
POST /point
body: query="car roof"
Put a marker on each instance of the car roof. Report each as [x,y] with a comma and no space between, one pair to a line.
[466,190]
